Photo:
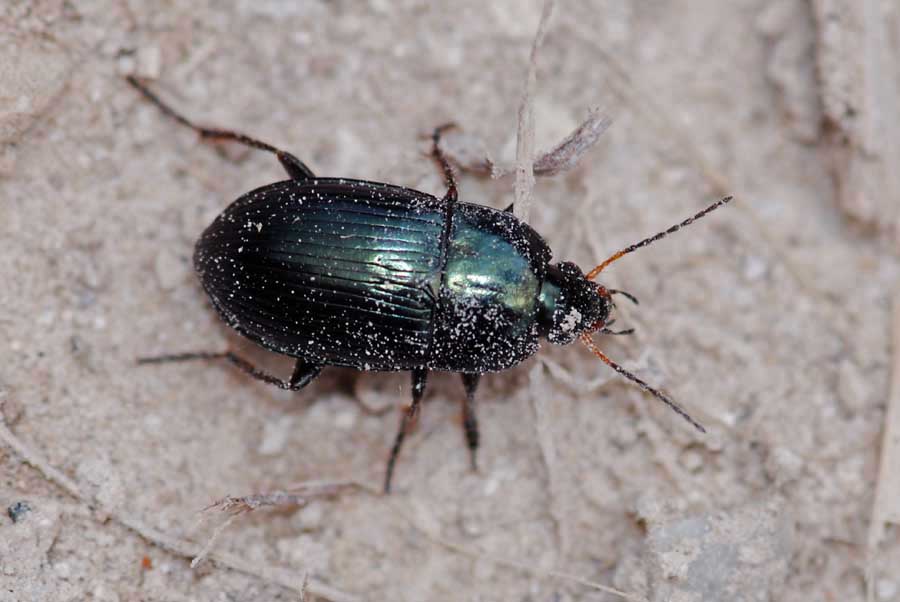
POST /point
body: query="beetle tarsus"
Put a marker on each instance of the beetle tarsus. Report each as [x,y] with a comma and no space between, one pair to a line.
[419,378]
[617,332]
[304,372]
[470,419]
[180,357]
[446,168]
[295,168]
[299,379]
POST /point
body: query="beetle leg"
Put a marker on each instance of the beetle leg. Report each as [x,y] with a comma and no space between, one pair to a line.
[294,166]
[608,331]
[509,208]
[419,376]
[628,296]
[438,155]
[606,328]
[304,372]
[470,420]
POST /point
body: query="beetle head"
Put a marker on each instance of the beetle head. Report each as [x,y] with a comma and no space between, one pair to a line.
[570,304]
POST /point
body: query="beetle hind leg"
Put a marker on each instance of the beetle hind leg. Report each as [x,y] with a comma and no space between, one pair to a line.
[419,377]
[304,372]
[470,420]
[295,168]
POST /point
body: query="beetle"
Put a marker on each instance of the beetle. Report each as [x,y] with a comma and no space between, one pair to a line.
[372,276]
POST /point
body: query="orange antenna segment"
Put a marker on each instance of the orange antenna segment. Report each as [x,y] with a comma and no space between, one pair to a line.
[587,340]
[593,273]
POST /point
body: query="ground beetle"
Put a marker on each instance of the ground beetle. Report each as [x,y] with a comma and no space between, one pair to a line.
[341,272]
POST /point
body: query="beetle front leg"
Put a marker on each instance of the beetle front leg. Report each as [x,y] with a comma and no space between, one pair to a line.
[470,420]
[419,377]
[294,166]
[304,372]
[439,156]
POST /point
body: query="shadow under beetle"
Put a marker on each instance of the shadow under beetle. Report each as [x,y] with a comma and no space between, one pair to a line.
[341,272]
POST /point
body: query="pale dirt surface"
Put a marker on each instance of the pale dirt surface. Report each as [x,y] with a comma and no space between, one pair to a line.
[770,319]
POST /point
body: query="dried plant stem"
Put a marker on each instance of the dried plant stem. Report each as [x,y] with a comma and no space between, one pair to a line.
[289,579]
[559,495]
[521,566]
[299,495]
[524,186]
[887,492]
[469,153]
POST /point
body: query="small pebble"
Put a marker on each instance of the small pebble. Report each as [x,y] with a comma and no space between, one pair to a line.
[103,593]
[852,387]
[125,64]
[63,570]
[885,589]
[491,486]
[783,465]
[692,460]
[149,62]
[275,435]
[755,267]
[345,420]
[311,516]
[11,408]
[18,511]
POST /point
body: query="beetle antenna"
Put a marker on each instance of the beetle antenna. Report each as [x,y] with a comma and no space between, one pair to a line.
[593,273]
[589,342]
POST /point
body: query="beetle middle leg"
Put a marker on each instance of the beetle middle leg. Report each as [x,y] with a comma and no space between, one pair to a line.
[295,168]
[304,372]
[419,377]
[470,420]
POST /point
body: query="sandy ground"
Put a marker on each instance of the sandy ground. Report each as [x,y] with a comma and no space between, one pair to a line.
[770,320]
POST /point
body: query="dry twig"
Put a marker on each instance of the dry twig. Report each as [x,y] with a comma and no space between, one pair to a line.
[542,424]
[858,64]
[566,378]
[297,496]
[470,154]
[283,577]
[521,566]
[524,186]
[887,493]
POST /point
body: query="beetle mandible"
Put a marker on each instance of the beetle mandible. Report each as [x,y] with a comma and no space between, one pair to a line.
[372,276]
